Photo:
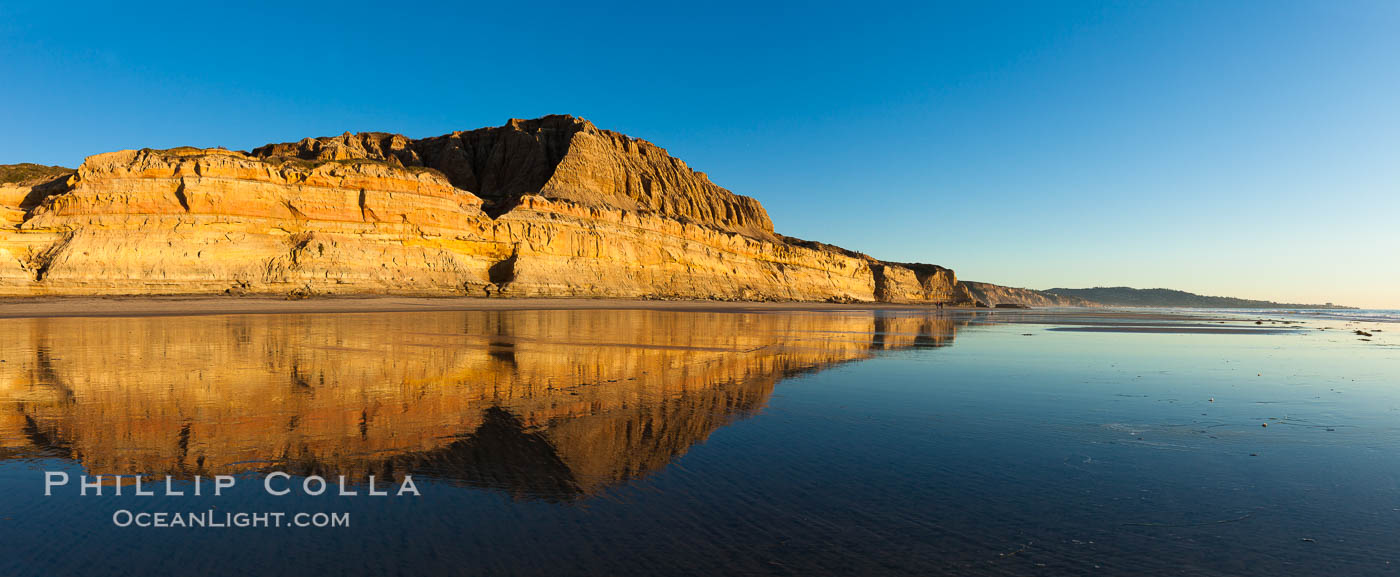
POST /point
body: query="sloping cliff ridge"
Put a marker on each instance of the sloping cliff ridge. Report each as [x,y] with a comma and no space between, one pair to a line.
[992,295]
[547,207]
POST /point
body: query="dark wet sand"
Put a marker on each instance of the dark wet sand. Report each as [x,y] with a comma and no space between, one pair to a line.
[1179,329]
[611,437]
[1072,319]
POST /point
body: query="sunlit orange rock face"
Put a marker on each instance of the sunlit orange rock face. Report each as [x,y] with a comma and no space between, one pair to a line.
[538,403]
[547,207]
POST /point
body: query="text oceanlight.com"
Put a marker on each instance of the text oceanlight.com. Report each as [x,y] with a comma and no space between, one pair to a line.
[219,519]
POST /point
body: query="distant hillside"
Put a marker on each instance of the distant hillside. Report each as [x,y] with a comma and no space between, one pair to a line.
[993,295]
[1122,296]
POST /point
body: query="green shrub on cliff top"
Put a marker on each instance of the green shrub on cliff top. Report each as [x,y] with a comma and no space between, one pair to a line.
[27,172]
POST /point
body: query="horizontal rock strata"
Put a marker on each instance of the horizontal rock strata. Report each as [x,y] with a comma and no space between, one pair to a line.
[545,207]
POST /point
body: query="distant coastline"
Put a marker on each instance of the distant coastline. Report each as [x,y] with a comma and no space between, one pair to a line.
[1159,297]
[993,295]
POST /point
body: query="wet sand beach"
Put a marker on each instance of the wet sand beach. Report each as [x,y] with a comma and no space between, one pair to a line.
[137,306]
[599,437]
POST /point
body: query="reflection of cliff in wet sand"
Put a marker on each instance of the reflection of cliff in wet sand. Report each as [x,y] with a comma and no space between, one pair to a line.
[537,403]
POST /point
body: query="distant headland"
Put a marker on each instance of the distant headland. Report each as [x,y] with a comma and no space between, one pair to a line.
[1160,297]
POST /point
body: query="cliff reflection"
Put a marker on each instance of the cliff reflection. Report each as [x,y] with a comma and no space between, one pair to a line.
[540,404]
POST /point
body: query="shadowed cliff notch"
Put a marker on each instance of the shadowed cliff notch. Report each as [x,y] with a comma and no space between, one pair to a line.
[503,272]
[503,163]
[23,187]
[557,157]
[498,164]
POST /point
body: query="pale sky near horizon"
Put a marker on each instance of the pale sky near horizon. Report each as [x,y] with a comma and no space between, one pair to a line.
[1247,149]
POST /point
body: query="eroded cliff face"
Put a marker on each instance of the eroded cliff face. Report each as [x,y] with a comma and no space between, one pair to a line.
[917,283]
[22,188]
[555,157]
[201,221]
[546,207]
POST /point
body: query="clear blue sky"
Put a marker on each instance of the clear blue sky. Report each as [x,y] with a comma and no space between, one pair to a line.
[1239,148]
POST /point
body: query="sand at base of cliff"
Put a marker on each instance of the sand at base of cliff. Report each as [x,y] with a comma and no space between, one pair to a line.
[217,305]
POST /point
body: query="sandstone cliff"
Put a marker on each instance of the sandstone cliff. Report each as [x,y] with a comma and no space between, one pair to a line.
[555,157]
[992,295]
[546,207]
